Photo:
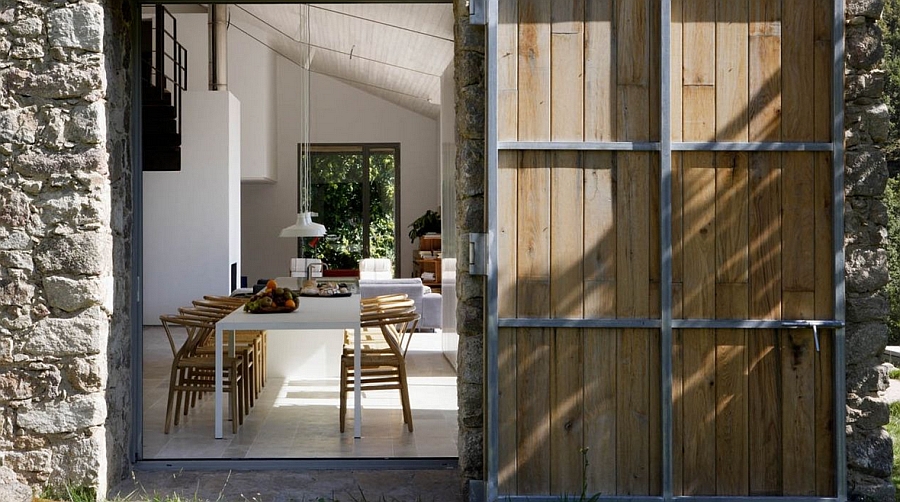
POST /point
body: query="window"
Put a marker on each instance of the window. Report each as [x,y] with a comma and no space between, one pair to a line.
[353,190]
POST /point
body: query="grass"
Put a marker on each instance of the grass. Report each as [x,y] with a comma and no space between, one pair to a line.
[893,428]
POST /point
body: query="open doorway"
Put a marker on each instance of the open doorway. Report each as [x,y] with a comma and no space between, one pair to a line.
[212,224]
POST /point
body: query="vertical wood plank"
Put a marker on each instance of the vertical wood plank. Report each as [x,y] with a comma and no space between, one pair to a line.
[798,239]
[600,426]
[566,235]
[653,64]
[567,70]
[765,235]
[633,407]
[699,116]
[533,411]
[567,406]
[732,448]
[632,42]
[732,212]
[699,235]
[732,77]
[825,430]
[567,293]
[632,289]
[599,65]
[632,239]
[600,202]
[507,226]
[533,345]
[677,234]
[678,412]
[600,351]
[533,233]
[799,446]
[534,70]
[698,356]
[823,214]
[506,366]
[699,28]
[633,73]
[507,184]
[822,14]
[798,68]
[764,384]
[824,368]
[677,75]
[765,70]
[507,71]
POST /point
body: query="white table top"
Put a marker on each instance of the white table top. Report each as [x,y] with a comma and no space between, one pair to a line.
[312,313]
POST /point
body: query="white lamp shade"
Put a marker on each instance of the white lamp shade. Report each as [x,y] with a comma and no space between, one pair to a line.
[304,227]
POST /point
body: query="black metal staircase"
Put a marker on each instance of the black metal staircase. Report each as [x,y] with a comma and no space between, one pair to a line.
[164,77]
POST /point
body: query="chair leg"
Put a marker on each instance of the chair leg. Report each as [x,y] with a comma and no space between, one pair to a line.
[404,399]
[343,393]
[170,410]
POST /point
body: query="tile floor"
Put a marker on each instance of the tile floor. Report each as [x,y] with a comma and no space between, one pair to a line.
[299,419]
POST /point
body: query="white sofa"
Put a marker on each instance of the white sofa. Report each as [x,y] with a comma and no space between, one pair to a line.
[428,304]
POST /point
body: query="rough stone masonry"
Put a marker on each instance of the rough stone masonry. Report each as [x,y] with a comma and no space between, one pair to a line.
[869,454]
[64,241]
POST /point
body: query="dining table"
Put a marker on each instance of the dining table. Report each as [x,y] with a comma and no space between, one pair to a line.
[312,313]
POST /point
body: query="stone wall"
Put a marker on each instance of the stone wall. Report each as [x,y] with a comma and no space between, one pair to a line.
[869,451]
[63,154]
[469,71]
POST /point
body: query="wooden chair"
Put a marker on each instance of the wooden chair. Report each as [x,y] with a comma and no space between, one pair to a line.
[193,373]
[393,303]
[381,367]
[246,347]
[227,305]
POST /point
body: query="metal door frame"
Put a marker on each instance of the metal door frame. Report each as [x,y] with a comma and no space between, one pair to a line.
[665,323]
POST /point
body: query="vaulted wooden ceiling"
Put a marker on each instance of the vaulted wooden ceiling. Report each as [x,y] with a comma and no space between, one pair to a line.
[397,52]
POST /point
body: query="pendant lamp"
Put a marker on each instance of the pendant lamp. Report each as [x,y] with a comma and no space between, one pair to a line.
[305,227]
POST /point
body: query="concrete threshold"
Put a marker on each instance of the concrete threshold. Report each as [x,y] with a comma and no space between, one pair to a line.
[153,483]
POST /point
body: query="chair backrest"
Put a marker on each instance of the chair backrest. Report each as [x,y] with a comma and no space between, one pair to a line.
[394,326]
[213,304]
[198,331]
[396,303]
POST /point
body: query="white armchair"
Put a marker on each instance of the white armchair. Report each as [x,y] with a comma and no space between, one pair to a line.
[375,268]
[374,282]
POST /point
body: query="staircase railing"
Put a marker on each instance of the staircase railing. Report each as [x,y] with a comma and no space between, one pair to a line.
[168,60]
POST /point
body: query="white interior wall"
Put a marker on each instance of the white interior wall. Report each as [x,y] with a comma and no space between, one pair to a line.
[267,208]
[252,78]
[339,114]
[189,237]
[193,35]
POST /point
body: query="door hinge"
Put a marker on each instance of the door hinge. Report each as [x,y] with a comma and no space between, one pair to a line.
[477,254]
[476,12]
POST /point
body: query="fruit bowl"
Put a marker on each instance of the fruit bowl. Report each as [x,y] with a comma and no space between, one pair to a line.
[271,300]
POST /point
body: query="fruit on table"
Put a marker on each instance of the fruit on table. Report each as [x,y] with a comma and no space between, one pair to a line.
[270,299]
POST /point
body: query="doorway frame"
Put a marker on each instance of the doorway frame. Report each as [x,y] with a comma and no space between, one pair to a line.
[665,323]
[135,442]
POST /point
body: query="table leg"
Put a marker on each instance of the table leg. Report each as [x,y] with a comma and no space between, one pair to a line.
[357,392]
[219,363]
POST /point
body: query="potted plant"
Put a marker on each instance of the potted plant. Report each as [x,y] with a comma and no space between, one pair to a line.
[430,222]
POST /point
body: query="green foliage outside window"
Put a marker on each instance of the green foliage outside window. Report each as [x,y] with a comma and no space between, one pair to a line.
[337,194]
[890,26]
